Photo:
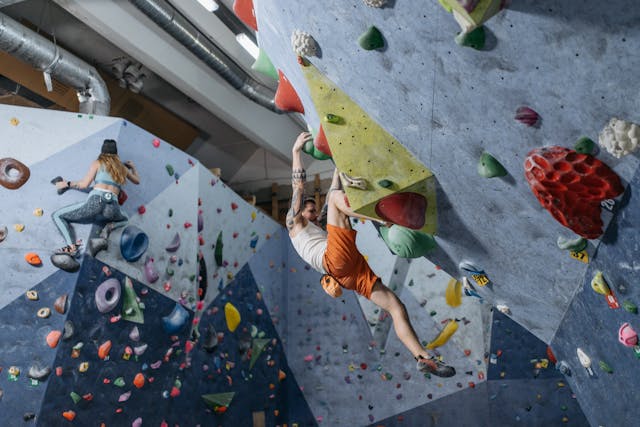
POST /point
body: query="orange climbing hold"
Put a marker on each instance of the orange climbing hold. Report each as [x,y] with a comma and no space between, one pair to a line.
[69,415]
[138,381]
[33,259]
[321,142]
[281,375]
[53,338]
[245,11]
[104,349]
[405,209]
[287,98]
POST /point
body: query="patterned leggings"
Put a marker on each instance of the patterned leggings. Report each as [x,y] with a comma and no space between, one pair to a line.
[100,206]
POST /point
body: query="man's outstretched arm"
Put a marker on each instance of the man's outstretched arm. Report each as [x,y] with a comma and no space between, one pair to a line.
[298,178]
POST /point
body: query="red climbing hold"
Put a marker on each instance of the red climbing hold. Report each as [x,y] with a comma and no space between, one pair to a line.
[405,209]
[321,142]
[234,206]
[286,96]
[571,186]
[141,209]
[245,11]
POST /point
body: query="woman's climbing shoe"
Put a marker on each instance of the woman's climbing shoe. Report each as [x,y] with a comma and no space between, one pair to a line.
[71,250]
[435,367]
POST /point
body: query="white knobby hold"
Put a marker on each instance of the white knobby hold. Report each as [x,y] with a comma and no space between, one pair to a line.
[303,44]
[620,137]
[375,3]
[503,308]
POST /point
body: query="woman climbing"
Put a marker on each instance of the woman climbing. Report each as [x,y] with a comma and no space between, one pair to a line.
[109,174]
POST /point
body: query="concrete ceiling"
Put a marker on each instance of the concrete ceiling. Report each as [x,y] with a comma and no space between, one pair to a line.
[250,143]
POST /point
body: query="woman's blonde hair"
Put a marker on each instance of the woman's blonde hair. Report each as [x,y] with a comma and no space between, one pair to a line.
[114,167]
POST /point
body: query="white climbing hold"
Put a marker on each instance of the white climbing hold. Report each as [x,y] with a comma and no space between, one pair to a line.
[503,308]
[303,44]
[375,3]
[620,137]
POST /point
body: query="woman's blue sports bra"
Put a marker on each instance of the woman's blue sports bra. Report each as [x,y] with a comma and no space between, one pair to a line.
[104,177]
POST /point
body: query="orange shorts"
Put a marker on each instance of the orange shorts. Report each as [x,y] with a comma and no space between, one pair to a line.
[345,263]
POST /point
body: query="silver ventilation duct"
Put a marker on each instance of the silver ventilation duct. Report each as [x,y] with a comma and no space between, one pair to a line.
[167,18]
[67,68]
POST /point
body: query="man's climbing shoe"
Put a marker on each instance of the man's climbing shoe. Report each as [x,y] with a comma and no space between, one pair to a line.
[435,367]
[331,285]
[96,245]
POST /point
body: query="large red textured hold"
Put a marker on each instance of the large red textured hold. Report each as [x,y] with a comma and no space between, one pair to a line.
[245,11]
[405,209]
[571,186]
[287,98]
[321,142]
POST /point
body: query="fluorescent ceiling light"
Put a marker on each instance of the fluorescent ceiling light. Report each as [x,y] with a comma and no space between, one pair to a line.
[248,44]
[210,5]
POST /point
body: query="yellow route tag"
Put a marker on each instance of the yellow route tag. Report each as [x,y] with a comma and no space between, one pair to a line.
[580,256]
[480,279]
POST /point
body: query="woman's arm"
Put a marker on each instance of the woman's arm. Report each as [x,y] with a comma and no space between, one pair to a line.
[132,172]
[84,182]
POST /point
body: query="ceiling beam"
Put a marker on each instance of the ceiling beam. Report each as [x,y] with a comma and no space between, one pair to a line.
[123,25]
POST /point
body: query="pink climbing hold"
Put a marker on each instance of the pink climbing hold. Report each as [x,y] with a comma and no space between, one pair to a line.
[156,143]
[287,98]
[405,209]
[187,224]
[527,116]
[321,142]
[137,422]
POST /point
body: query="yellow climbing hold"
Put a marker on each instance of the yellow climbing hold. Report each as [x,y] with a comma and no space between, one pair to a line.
[599,284]
[18,227]
[444,335]
[453,294]
[14,121]
[38,211]
[232,315]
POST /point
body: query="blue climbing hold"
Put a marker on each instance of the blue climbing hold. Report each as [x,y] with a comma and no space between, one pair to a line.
[175,320]
[133,243]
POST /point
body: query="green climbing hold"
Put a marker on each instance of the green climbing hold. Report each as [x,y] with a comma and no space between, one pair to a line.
[218,251]
[630,307]
[446,6]
[308,147]
[574,245]
[319,155]
[170,213]
[371,39]
[118,382]
[584,145]
[605,367]
[489,167]
[257,347]
[474,39]
[170,170]
[385,183]
[170,272]
[131,310]
[75,397]
[407,243]
[264,65]
[218,400]
[332,118]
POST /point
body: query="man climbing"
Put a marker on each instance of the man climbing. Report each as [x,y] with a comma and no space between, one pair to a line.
[334,253]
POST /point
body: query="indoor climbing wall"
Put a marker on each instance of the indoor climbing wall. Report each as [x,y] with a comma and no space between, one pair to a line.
[505,123]
[100,337]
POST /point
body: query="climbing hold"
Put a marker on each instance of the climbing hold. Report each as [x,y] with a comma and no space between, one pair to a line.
[599,284]
[104,349]
[200,221]
[332,118]
[119,382]
[630,307]
[264,65]
[527,116]
[69,415]
[303,43]
[584,145]
[474,39]
[585,361]
[60,305]
[453,294]
[286,97]
[39,373]
[210,339]
[405,209]
[257,348]
[489,167]
[627,336]
[3,233]
[137,422]
[75,397]
[44,312]
[218,250]
[53,338]
[445,334]
[133,243]
[245,11]
[32,295]
[407,243]
[353,182]
[170,169]
[68,330]
[155,143]
[371,39]
[65,262]
[124,396]
[320,142]
[139,380]
[150,271]
[14,371]
[38,212]
[131,310]
[232,316]
[107,295]
[134,335]
[375,3]
[175,320]
[571,187]
[13,173]
[140,349]
[619,137]
[503,308]
[83,367]
[219,400]
[97,244]
[141,210]
[14,121]
[574,245]
[605,367]
[385,183]
[33,259]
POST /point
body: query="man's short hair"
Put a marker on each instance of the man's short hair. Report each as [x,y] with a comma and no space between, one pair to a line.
[308,200]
